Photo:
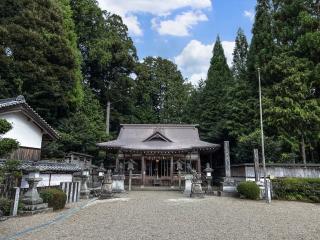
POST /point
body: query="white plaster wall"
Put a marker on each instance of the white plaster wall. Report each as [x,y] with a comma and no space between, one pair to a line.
[26,132]
[56,179]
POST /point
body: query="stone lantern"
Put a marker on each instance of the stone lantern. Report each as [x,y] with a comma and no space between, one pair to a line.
[33,203]
[208,171]
[85,174]
[106,188]
[101,170]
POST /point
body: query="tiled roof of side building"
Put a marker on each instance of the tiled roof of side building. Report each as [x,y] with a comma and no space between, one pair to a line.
[19,103]
[47,166]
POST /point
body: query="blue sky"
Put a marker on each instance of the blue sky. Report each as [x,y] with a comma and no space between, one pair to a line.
[184,31]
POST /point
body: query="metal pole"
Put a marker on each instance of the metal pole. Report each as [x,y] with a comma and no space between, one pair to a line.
[108,118]
[108,111]
[262,144]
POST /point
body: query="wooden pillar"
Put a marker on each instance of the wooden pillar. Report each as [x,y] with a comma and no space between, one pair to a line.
[117,161]
[227,159]
[199,164]
[171,170]
[143,171]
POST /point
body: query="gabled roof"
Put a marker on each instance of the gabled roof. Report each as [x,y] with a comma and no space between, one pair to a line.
[159,137]
[19,104]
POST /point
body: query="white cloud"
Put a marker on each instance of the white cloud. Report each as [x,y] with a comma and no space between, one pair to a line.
[249,14]
[127,8]
[194,59]
[133,24]
[180,25]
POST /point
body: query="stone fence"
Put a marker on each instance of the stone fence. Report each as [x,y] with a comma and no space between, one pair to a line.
[246,171]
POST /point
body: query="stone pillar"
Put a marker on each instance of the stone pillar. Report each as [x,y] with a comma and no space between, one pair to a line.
[130,179]
[227,159]
[188,184]
[84,191]
[16,202]
[143,171]
[256,165]
[171,171]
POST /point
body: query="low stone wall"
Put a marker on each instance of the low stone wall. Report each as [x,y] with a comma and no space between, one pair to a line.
[246,171]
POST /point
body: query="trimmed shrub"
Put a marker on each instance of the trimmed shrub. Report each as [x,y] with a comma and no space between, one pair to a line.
[55,198]
[5,206]
[297,189]
[249,190]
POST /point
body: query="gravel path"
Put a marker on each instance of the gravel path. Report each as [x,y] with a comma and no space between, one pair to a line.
[167,215]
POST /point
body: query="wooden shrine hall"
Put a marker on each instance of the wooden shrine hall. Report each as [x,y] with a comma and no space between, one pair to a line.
[155,150]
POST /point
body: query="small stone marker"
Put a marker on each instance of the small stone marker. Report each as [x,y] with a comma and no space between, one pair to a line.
[256,165]
[188,184]
[16,202]
[227,159]
[118,183]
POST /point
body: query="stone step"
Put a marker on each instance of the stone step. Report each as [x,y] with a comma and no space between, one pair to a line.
[227,194]
[28,213]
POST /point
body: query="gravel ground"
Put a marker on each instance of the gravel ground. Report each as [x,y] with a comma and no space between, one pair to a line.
[167,215]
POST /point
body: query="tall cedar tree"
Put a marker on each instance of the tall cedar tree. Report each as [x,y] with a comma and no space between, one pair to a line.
[161,92]
[38,56]
[262,43]
[240,55]
[216,96]
[242,106]
[293,106]
[109,58]
[193,109]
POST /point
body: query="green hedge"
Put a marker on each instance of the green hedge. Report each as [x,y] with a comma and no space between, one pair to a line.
[5,206]
[55,198]
[297,189]
[249,190]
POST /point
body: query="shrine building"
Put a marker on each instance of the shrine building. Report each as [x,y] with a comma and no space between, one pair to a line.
[155,150]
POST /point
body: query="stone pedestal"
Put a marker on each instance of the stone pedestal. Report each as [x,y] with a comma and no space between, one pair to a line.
[228,185]
[187,185]
[106,190]
[84,191]
[118,183]
[262,190]
[209,188]
[196,189]
[33,203]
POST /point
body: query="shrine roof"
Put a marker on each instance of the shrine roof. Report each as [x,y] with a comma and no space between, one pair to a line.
[158,137]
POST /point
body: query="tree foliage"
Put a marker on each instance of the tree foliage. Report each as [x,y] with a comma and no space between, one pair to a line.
[161,92]
[216,96]
[7,145]
[38,57]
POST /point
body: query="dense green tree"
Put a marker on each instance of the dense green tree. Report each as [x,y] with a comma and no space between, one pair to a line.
[7,145]
[292,102]
[81,131]
[161,92]
[194,103]
[38,57]
[216,97]
[240,55]
[109,58]
[262,43]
